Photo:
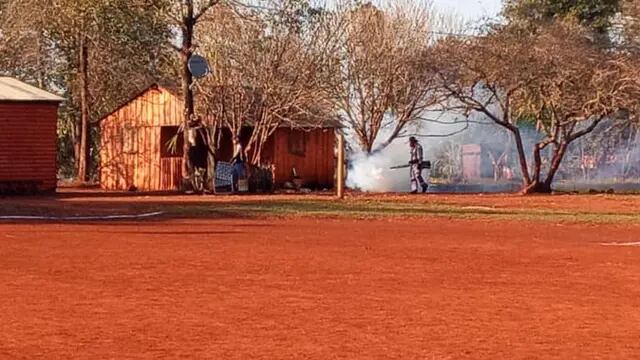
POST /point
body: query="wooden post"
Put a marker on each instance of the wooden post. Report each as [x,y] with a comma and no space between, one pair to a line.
[340,169]
[84,156]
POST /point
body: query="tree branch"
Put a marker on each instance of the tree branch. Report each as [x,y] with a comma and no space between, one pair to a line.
[203,10]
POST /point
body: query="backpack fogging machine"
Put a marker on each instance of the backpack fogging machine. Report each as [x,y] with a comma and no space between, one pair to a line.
[424,165]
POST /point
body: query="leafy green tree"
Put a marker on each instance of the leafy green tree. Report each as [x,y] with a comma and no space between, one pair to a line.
[631,24]
[94,51]
[597,15]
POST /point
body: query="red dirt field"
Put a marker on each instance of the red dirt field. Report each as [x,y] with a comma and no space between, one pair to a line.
[432,288]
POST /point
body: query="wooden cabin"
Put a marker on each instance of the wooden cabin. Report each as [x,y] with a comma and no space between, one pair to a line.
[134,152]
[28,124]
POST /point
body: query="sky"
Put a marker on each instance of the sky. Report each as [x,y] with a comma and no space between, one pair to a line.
[471,9]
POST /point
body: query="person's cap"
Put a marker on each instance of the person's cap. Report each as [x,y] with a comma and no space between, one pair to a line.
[413,139]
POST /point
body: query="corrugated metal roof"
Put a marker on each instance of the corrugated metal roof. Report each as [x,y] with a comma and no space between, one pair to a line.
[15,90]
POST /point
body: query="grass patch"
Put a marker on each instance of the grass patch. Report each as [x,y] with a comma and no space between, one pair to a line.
[379,209]
[330,208]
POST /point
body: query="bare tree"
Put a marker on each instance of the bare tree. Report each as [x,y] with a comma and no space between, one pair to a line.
[269,71]
[556,79]
[183,16]
[379,79]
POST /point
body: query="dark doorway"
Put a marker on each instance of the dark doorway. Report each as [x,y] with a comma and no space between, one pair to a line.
[171,143]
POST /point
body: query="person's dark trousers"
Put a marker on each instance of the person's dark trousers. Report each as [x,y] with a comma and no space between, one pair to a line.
[238,172]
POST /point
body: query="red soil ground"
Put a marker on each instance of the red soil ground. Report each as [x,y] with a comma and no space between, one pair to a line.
[319,289]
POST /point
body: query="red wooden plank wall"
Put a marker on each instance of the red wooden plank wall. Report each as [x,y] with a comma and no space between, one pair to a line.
[138,164]
[28,142]
[171,170]
[316,167]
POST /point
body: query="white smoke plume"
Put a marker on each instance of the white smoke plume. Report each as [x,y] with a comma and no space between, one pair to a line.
[372,173]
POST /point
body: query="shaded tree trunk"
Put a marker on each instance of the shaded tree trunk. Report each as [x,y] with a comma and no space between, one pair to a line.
[211,160]
[84,158]
[558,155]
[537,185]
[522,157]
[39,65]
[186,51]
[559,150]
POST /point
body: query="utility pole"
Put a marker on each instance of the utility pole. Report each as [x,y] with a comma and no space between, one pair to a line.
[340,167]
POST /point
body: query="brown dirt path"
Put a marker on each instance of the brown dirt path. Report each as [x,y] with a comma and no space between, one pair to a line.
[318,289]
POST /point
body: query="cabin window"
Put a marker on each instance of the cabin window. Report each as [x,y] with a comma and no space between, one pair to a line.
[171,142]
[297,142]
[129,140]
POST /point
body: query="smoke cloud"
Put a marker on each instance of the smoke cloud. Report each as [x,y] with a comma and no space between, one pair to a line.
[604,159]
[372,173]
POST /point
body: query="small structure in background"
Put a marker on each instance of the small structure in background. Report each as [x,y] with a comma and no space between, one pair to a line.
[486,161]
[28,124]
[135,152]
[475,162]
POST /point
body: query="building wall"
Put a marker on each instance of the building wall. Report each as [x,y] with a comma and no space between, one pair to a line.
[224,147]
[316,167]
[28,142]
[130,144]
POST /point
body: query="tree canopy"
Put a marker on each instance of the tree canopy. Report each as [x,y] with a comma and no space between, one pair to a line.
[557,78]
[597,15]
[96,52]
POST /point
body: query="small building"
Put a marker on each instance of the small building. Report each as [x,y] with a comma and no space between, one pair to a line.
[486,161]
[475,162]
[134,151]
[28,126]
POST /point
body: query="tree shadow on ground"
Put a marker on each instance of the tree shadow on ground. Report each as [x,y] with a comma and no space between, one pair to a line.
[252,208]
